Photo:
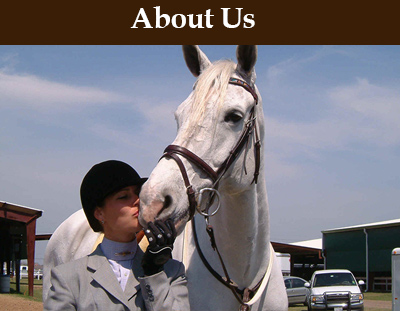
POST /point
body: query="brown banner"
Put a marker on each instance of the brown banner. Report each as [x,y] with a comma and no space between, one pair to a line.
[205,22]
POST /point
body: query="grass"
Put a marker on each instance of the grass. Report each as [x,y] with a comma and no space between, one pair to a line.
[378,296]
[24,291]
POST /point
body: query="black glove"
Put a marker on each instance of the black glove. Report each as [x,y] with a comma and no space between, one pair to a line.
[161,237]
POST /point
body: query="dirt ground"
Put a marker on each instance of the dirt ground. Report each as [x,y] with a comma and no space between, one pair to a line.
[12,303]
[377,304]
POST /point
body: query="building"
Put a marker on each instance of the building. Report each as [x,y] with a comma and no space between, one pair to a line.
[305,257]
[17,240]
[365,250]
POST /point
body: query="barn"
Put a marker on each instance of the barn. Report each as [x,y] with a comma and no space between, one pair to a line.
[17,241]
[365,250]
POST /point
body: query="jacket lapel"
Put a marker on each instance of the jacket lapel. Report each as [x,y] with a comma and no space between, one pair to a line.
[133,286]
[104,276]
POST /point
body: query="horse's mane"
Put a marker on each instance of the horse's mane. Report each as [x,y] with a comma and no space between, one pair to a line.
[212,82]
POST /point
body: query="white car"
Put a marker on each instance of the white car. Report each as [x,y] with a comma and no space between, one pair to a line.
[295,289]
[335,290]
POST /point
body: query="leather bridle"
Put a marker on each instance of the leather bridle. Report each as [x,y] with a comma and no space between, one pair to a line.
[245,296]
[172,152]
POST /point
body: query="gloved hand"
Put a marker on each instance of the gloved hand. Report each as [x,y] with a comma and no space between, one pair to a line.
[161,237]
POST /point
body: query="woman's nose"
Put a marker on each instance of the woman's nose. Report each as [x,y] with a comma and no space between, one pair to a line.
[136,202]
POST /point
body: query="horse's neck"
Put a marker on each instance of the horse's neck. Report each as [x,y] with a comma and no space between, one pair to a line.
[242,234]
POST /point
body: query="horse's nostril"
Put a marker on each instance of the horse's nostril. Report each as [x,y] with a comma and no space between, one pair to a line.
[167,201]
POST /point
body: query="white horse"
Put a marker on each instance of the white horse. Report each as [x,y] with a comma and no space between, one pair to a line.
[223,111]
[224,108]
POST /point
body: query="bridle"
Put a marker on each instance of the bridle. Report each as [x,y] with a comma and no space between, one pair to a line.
[174,151]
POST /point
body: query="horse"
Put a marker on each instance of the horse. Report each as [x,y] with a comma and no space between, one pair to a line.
[214,169]
[211,176]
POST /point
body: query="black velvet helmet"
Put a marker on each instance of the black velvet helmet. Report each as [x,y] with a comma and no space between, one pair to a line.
[102,180]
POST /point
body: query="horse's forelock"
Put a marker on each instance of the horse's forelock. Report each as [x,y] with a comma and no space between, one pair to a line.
[213,81]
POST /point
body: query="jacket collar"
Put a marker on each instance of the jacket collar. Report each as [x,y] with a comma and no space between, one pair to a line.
[104,276]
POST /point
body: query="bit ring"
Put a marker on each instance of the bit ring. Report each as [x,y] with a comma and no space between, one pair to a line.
[205,212]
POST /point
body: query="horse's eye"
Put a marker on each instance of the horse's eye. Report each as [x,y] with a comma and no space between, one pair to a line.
[233,117]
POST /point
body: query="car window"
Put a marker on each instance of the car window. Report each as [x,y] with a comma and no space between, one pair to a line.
[288,284]
[298,283]
[334,279]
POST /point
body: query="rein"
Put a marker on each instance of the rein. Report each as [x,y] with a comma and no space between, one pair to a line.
[244,297]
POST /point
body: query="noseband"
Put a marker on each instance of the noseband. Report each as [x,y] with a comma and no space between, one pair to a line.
[172,151]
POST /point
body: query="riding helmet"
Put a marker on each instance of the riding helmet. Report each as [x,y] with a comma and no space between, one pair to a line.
[102,180]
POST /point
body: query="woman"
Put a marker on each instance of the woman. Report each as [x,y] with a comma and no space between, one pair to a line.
[118,275]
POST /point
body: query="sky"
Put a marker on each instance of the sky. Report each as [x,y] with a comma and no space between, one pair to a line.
[332,127]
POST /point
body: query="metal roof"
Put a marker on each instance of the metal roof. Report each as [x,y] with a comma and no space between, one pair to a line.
[294,249]
[380,224]
[17,212]
[315,243]
[20,208]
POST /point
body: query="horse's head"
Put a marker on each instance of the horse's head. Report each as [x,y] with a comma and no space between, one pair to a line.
[211,122]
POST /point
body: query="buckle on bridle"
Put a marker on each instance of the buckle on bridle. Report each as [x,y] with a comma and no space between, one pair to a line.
[251,123]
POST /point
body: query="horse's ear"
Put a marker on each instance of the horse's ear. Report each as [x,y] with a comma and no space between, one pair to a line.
[195,59]
[247,57]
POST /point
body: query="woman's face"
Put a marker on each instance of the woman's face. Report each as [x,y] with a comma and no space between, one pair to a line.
[120,215]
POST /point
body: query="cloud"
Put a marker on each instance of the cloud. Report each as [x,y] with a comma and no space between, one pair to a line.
[277,169]
[306,116]
[8,61]
[372,110]
[358,117]
[160,118]
[116,136]
[294,64]
[29,91]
